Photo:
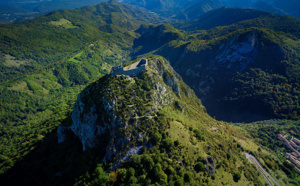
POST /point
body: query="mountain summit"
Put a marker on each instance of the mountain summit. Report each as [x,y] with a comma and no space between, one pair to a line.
[120,110]
[151,128]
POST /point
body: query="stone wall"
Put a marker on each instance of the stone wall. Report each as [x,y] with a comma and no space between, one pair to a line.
[117,72]
[135,71]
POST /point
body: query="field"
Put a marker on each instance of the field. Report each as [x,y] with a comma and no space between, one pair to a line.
[63,23]
[76,58]
[10,61]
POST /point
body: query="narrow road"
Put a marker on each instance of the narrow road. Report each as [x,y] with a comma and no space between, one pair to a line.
[261,169]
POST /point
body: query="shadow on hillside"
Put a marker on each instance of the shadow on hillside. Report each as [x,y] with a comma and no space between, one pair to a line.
[236,113]
[51,163]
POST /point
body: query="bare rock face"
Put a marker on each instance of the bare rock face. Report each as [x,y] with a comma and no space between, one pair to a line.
[61,133]
[236,54]
[90,125]
[84,125]
[239,52]
[168,78]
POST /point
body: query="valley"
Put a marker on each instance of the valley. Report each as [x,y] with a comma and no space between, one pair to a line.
[64,117]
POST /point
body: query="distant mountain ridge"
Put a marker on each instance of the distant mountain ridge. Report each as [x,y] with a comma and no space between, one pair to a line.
[224,16]
[174,9]
[178,8]
[193,9]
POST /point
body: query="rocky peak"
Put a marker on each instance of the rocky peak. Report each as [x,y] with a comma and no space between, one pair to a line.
[116,112]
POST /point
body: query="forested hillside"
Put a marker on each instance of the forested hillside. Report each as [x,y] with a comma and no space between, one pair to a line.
[47,61]
[261,54]
[56,37]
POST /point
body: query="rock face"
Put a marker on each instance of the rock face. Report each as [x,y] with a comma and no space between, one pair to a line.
[233,55]
[210,166]
[61,133]
[238,52]
[84,126]
[115,112]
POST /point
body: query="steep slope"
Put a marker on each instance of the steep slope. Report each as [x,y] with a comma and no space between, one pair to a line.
[155,36]
[182,144]
[219,70]
[219,64]
[155,112]
[235,18]
[114,103]
[175,9]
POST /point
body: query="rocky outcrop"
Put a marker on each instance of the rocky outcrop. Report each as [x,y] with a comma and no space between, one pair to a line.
[84,125]
[90,125]
[239,52]
[168,77]
[210,165]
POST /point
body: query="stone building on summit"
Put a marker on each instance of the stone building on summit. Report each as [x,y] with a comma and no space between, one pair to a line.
[130,70]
